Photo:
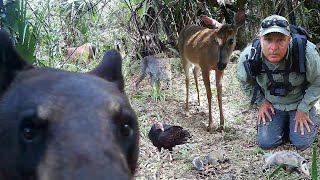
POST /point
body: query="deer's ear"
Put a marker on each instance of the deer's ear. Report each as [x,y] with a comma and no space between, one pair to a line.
[110,68]
[210,23]
[239,18]
[10,61]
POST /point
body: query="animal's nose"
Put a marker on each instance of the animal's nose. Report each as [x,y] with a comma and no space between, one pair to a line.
[221,66]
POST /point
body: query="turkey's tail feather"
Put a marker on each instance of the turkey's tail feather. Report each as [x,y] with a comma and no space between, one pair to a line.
[182,136]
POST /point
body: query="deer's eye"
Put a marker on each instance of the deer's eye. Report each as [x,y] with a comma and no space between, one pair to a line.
[230,41]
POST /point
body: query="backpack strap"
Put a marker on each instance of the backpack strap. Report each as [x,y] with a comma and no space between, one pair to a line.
[257,48]
[255,55]
[299,43]
[286,84]
[255,92]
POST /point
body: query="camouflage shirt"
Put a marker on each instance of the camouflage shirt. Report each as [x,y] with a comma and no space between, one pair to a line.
[296,98]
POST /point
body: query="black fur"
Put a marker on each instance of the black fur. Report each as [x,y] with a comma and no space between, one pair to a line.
[111,59]
[56,124]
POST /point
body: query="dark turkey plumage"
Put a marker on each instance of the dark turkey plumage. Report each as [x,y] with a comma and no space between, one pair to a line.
[167,136]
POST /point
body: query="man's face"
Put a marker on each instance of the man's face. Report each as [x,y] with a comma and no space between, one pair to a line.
[274,46]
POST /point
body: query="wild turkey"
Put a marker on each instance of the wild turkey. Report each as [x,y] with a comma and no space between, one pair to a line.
[167,136]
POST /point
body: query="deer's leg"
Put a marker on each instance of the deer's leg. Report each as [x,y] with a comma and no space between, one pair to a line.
[206,80]
[219,77]
[186,65]
[195,74]
[141,77]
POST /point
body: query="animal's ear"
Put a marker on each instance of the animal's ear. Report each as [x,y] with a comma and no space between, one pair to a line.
[239,18]
[110,68]
[10,61]
[210,23]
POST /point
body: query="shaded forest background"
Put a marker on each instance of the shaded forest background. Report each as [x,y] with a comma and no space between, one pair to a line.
[137,28]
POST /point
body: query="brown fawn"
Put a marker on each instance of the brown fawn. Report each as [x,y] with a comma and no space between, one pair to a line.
[208,48]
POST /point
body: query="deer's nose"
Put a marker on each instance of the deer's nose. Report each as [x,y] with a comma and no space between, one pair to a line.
[221,66]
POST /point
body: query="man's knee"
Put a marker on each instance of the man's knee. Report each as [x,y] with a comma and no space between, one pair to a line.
[302,144]
[266,144]
[269,137]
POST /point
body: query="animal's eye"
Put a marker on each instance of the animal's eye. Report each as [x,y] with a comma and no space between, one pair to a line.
[32,127]
[28,133]
[126,130]
[231,41]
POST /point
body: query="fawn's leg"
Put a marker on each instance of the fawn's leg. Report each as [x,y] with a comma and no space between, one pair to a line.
[219,77]
[206,80]
[195,74]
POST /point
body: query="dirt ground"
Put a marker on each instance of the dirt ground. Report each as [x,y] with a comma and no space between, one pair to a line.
[243,159]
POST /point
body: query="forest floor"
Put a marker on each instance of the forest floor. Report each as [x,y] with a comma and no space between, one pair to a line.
[243,159]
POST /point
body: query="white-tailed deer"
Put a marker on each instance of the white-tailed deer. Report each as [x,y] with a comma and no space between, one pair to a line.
[208,49]
[82,54]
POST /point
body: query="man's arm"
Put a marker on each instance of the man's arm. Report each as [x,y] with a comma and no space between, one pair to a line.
[312,93]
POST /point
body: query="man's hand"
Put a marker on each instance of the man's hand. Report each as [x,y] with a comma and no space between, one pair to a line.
[264,111]
[302,119]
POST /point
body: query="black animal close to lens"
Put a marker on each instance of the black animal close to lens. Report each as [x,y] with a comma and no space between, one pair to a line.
[269,23]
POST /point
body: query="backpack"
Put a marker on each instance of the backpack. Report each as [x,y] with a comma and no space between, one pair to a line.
[254,66]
